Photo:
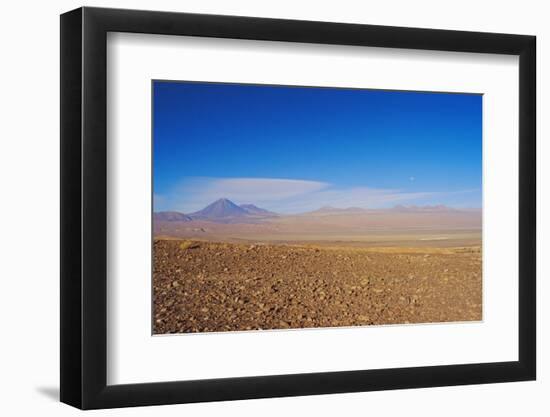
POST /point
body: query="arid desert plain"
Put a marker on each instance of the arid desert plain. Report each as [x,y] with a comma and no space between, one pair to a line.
[234,267]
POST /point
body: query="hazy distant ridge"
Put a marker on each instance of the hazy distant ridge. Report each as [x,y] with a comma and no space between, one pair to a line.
[224,210]
[171,216]
[252,209]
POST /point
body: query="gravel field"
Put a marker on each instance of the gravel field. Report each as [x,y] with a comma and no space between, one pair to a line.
[214,287]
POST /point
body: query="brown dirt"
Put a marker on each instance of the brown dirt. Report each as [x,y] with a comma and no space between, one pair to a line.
[207,286]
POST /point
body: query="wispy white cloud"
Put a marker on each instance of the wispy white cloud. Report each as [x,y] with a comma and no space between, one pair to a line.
[285,195]
[262,189]
[195,193]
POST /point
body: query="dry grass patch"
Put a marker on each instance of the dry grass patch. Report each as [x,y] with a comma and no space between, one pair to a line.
[188,244]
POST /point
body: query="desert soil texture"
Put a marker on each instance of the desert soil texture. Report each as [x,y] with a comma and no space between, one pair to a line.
[204,286]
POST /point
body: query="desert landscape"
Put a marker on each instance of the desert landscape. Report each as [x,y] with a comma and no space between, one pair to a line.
[280,207]
[231,267]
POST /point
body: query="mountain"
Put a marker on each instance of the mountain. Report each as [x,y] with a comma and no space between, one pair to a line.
[220,209]
[257,211]
[171,216]
[327,210]
[422,209]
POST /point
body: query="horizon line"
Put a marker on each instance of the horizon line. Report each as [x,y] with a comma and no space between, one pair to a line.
[328,206]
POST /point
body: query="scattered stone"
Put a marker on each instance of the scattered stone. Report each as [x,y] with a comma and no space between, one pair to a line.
[315,288]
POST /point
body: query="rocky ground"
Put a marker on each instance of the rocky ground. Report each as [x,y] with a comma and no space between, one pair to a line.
[213,287]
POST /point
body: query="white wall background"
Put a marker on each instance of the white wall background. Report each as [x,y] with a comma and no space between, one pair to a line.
[29,175]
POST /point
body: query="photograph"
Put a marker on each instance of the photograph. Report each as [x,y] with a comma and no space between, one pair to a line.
[291,207]
[255,207]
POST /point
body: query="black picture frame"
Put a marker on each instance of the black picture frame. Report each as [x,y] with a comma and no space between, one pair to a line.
[84,208]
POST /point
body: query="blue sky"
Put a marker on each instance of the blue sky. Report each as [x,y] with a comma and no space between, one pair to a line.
[294,149]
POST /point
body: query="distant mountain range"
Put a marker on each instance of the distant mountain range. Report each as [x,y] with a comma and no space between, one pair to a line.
[328,210]
[226,211]
[222,210]
[171,216]
[425,209]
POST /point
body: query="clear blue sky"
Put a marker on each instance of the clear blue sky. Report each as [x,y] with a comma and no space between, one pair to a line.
[294,148]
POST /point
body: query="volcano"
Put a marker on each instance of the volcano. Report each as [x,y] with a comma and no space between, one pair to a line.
[220,209]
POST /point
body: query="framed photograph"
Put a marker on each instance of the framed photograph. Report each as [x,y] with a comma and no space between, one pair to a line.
[258,208]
